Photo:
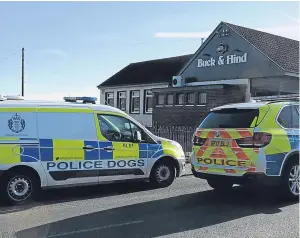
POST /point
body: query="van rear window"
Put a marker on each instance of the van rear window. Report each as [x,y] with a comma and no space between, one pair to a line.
[230,118]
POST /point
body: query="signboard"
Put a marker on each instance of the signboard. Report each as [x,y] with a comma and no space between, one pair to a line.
[222,60]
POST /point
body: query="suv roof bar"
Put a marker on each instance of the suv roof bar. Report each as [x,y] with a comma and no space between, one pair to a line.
[277,98]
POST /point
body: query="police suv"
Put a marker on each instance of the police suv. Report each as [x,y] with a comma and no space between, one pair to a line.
[55,144]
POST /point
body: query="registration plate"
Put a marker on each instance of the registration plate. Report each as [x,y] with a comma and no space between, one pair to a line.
[220,143]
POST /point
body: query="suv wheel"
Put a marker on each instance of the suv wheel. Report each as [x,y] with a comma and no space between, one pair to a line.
[163,174]
[291,180]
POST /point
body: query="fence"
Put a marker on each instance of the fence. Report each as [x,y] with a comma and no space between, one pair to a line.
[183,135]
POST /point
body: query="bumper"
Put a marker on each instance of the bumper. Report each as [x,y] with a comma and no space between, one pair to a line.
[181,167]
[259,179]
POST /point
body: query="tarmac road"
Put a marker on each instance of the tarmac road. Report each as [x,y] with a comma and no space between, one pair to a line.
[188,208]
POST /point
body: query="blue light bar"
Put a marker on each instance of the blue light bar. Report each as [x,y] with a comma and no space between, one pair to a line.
[83,99]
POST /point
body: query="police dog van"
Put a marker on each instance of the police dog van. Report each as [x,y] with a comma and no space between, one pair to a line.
[50,144]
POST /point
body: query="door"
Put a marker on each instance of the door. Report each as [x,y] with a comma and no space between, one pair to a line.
[121,155]
[68,146]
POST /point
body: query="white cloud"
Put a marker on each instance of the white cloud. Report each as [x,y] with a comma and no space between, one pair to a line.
[59,95]
[55,52]
[289,31]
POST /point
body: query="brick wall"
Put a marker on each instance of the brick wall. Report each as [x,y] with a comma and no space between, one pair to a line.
[191,116]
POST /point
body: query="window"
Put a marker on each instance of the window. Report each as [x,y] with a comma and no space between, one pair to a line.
[122,101]
[148,101]
[202,98]
[116,128]
[170,99]
[134,101]
[230,118]
[190,98]
[179,99]
[295,117]
[285,117]
[160,99]
[109,99]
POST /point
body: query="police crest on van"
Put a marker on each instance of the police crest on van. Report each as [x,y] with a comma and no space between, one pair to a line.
[16,124]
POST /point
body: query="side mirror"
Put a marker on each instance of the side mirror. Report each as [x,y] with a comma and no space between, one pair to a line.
[137,136]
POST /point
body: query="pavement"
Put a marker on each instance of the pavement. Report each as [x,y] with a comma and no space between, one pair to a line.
[188,208]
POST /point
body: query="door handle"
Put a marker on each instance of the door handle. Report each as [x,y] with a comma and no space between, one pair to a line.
[88,147]
[108,148]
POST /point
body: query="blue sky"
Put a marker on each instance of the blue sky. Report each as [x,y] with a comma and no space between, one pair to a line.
[71,47]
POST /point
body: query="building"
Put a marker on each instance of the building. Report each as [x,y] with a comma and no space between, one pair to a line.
[234,64]
[131,88]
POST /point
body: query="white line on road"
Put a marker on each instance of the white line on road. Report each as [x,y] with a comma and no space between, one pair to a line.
[95,229]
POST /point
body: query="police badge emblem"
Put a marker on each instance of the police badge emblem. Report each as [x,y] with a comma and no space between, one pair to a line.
[16,124]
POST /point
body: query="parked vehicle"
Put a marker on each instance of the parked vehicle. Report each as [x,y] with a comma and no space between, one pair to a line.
[55,144]
[257,141]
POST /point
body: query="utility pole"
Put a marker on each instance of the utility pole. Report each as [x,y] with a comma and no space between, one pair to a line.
[22,72]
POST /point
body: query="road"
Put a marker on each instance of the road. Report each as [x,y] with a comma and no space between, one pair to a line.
[188,208]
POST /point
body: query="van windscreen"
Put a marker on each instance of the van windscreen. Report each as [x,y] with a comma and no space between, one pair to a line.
[230,118]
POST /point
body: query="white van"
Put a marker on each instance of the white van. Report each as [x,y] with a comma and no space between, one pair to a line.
[54,144]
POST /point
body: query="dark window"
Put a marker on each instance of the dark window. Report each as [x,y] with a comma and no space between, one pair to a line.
[134,101]
[160,99]
[202,98]
[295,117]
[109,99]
[170,98]
[122,100]
[148,101]
[190,98]
[285,117]
[116,128]
[179,99]
[230,118]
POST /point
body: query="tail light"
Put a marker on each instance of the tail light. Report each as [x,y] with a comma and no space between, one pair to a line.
[259,139]
[198,141]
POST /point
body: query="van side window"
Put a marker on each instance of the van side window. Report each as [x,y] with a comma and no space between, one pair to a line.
[116,128]
[285,117]
[295,117]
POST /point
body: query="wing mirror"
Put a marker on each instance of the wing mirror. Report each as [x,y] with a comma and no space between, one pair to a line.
[137,136]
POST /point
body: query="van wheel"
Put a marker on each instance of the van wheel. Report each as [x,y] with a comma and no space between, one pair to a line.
[19,188]
[291,180]
[162,174]
[219,184]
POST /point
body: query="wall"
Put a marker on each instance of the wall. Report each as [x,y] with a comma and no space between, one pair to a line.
[191,116]
[143,118]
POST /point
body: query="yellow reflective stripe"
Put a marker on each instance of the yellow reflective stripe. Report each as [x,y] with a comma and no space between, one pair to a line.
[68,150]
[233,133]
[68,110]
[204,133]
[100,137]
[125,150]
[8,138]
[253,122]
[17,109]
[280,142]
[10,154]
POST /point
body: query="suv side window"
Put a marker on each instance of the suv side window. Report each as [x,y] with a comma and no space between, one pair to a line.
[295,117]
[116,128]
[285,117]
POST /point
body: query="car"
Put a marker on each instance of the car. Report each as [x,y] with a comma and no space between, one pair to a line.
[253,143]
[46,144]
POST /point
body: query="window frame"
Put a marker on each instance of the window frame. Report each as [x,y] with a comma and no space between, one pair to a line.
[131,107]
[167,95]
[113,98]
[177,99]
[146,96]
[199,103]
[294,108]
[119,100]
[187,99]
[279,114]
[157,100]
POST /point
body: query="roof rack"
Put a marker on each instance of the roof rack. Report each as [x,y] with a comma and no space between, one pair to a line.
[84,100]
[4,98]
[277,98]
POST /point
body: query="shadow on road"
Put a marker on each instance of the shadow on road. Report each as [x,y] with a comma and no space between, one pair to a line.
[162,217]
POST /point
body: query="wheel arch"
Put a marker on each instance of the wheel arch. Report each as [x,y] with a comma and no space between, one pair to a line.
[292,155]
[169,159]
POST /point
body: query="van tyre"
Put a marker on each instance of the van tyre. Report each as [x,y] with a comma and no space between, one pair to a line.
[219,184]
[162,174]
[291,179]
[19,188]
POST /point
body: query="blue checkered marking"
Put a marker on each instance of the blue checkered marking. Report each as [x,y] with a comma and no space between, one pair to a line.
[92,154]
[46,153]
[143,151]
[293,136]
[274,163]
[105,155]
[155,150]
[30,153]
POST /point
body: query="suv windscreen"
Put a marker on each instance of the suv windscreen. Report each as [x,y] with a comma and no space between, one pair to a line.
[230,118]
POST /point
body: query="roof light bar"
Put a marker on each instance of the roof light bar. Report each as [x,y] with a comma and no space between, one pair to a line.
[82,99]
